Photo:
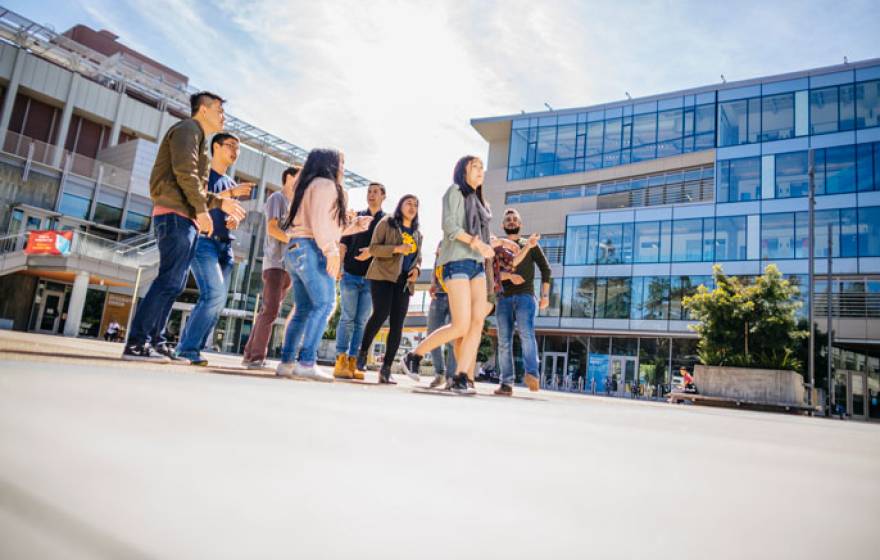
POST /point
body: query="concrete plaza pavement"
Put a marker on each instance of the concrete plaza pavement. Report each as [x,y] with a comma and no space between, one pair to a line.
[106,459]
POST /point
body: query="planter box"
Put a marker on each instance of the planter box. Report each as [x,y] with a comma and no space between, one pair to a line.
[770,386]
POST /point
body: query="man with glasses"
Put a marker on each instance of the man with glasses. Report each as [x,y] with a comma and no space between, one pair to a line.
[213,260]
[181,203]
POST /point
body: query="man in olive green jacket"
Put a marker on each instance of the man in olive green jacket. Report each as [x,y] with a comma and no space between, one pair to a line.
[179,190]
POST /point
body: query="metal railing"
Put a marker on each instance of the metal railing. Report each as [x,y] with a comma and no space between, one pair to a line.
[682,193]
[41,152]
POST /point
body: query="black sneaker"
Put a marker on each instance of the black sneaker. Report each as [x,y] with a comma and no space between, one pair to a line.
[411,363]
[460,385]
[168,351]
[504,390]
[385,376]
[143,353]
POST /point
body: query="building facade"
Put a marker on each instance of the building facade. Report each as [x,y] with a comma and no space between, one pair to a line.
[638,199]
[80,119]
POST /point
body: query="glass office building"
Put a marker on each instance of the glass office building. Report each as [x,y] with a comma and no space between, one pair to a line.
[641,198]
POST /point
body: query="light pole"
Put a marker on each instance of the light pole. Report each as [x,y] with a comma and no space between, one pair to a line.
[811,173]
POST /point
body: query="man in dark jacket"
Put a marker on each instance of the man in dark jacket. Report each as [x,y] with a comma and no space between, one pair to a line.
[517,306]
[181,203]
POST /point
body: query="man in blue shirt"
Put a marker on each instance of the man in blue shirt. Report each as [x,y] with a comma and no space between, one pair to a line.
[213,260]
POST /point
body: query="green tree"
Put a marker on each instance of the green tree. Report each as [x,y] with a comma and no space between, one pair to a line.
[748,324]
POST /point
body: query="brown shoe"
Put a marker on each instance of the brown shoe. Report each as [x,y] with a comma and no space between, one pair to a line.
[504,390]
[352,367]
[532,382]
[340,370]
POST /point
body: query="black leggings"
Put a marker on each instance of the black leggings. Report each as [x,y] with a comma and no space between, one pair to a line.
[390,299]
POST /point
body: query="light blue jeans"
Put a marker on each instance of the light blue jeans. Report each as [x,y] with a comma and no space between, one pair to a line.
[517,312]
[314,295]
[438,315]
[211,266]
[357,305]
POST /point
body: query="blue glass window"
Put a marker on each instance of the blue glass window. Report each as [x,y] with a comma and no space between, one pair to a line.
[840,170]
[869,231]
[731,243]
[644,129]
[137,222]
[580,245]
[687,240]
[777,236]
[647,242]
[595,132]
[777,117]
[75,206]
[739,180]
[792,179]
[733,121]
[612,298]
[611,244]
[578,297]
[565,142]
[708,239]
[824,113]
[681,287]
[864,167]
[612,135]
[546,144]
[868,104]
[847,107]
[650,298]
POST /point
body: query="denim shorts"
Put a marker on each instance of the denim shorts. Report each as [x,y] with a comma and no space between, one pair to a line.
[465,269]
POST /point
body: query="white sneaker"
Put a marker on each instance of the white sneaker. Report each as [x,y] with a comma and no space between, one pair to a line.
[312,372]
[286,369]
[414,375]
[256,364]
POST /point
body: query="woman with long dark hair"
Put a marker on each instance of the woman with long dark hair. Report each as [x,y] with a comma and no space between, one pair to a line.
[317,219]
[464,251]
[396,248]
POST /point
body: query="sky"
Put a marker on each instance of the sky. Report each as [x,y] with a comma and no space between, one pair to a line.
[395,84]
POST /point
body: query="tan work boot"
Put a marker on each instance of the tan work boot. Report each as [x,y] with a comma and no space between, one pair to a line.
[352,367]
[532,382]
[340,370]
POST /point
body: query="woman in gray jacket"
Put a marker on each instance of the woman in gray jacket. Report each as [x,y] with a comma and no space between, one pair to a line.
[464,252]
[396,248]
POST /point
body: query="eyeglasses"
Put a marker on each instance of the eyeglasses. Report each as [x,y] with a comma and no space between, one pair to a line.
[232,145]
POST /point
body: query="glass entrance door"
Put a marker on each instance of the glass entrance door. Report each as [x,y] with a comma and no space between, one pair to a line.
[553,370]
[622,374]
[50,312]
[856,397]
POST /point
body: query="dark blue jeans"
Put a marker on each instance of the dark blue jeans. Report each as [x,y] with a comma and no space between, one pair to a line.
[176,239]
[357,304]
[314,297]
[211,267]
[517,313]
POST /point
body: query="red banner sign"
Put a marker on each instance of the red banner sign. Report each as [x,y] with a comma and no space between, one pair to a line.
[49,243]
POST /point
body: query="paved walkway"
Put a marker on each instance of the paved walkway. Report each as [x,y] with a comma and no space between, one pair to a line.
[103,458]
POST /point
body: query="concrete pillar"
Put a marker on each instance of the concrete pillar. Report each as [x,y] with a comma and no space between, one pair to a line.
[117,120]
[66,116]
[11,92]
[77,303]
[163,118]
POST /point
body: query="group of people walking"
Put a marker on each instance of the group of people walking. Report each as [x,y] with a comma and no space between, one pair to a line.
[314,242]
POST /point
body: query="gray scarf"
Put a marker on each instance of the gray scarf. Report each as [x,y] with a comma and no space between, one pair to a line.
[477,217]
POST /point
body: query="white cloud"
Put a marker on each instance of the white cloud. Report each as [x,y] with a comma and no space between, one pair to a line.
[395,84]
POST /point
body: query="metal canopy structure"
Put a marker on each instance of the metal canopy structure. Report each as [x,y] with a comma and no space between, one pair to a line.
[121,72]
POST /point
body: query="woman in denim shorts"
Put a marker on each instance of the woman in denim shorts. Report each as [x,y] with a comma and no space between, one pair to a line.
[463,252]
